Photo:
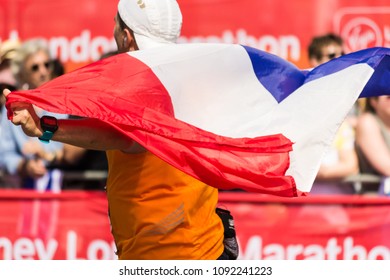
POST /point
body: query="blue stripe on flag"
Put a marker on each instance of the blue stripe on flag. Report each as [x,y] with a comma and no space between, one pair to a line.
[281,77]
[377,58]
[379,82]
[277,75]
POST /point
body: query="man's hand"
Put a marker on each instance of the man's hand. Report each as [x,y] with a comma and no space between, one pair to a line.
[23,114]
[87,133]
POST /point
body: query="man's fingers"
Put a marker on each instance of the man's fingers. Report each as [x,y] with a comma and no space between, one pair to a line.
[16,105]
[20,114]
[6,92]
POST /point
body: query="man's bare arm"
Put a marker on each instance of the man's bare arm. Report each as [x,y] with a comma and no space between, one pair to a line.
[91,134]
[86,133]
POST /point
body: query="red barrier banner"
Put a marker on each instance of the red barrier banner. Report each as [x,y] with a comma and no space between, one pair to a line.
[321,228]
[70,225]
[79,31]
[75,225]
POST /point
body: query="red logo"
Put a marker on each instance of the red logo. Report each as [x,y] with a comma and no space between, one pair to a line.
[363,27]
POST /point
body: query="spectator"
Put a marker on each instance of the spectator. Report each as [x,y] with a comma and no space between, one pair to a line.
[7,80]
[7,53]
[324,48]
[341,160]
[58,68]
[68,158]
[19,153]
[373,140]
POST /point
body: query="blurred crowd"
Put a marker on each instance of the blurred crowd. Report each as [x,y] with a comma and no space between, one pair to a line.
[357,161]
[355,164]
[26,162]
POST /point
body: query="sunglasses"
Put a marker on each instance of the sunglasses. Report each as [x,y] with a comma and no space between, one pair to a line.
[333,55]
[35,67]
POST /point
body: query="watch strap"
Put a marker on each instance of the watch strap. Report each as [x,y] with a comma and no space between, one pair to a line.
[46,136]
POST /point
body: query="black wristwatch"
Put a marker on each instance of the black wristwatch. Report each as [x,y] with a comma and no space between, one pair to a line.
[49,126]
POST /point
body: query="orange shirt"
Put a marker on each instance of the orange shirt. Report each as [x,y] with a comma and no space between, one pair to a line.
[159,212]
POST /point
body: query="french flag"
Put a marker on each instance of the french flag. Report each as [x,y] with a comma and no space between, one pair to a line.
[231,116]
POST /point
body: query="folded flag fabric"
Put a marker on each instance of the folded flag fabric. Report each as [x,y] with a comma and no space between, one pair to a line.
[231,116]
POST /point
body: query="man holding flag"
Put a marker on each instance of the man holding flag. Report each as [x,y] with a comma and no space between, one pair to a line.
[156,211]
[229,116]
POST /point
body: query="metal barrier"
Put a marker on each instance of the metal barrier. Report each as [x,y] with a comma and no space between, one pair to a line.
[96,175]
[359,179]
[85,175]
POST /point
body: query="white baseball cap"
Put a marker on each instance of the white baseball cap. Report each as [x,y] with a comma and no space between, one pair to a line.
[153,22]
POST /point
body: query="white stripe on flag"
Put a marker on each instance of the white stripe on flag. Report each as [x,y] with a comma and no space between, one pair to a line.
[217,94]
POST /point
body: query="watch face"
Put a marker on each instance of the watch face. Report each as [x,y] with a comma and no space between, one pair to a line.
[50,121]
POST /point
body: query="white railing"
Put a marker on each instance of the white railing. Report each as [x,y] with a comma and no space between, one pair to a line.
[93,175]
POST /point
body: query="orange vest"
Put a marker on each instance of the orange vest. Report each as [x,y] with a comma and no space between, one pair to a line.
[159,212]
